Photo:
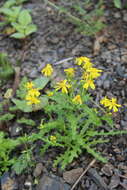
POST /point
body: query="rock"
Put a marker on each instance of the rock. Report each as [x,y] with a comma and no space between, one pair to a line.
[48,183]
[28,185]
[34,73]
[72,175]
[38,170]
[97,178]
[7,183]
[115,181]
[15,130]
[107,170]
[117,15]
[99,83]
[93,187]
[125,17]
[106,84]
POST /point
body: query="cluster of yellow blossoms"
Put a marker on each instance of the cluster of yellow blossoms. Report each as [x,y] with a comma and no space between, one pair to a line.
[111,104]
[89,74]
[48,70]
[33,94]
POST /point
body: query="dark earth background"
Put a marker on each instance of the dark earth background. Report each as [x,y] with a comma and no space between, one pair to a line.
[56,40]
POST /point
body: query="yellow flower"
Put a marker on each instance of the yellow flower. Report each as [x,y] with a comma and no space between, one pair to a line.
[48,70]
[113,105]
[87,65]
[77,99]
[94,73]
[29,85]
[34,92]
[89,83]
[70,71]
[81,60]
[53,139]
[105,101]
[63,85]
[32,100]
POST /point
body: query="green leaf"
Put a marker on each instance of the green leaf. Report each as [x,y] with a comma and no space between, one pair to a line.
[22,105]
[41,82]
[9,3]
[7,117]
[6,11]
[23,120]
[18,35]
[18,27]
[118,4]
[24,18]
[30,29]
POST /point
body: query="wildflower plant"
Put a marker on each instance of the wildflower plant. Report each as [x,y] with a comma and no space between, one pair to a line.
[71,120]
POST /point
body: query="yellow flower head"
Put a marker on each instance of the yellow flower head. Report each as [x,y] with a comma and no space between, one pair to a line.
[48,70]
[34,92]
[89,84]
[77,99]
[53,139]
[94,73]
[32,100]
[81,60]
[29,85]
[87,65]
[105,101]
[113,105]
[63,85]
[70,71]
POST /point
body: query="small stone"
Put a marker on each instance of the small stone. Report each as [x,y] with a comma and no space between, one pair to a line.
[115,181]
[72,175]
[48,183]
[117,15]
[97,178]
[125,17]
[33,73]
[107,170]
[106,84]
[99,83]
[38,170]
[15,130]
[7,183]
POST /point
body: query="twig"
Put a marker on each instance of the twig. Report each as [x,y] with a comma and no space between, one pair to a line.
[62,61]
[16,80]
[88,167]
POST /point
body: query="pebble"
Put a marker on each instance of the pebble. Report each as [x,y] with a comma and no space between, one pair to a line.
[125,17]
[72,175]
[117,15]
[7,183]
[106,84]
[107,170]
[15,130]
[115,181]
[99,83]
[38,170]
[48,183]
[97,179]
[34,73]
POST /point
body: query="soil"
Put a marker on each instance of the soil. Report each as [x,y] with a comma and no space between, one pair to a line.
[56,40]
